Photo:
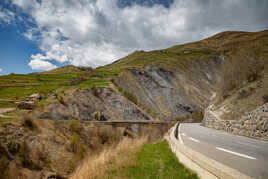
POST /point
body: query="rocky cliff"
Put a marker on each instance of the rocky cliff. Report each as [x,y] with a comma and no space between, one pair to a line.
[98,103]
[173,93]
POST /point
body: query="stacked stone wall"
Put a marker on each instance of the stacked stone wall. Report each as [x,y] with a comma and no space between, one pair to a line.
[253,124]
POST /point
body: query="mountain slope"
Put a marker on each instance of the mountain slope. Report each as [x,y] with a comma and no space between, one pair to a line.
[179,80]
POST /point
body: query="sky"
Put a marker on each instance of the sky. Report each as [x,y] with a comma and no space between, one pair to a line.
[39,35]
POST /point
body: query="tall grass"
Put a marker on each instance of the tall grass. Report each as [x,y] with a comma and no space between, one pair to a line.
[98,166]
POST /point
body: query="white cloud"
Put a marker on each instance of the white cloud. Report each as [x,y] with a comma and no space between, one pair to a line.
[39,62]
[6,16]
[97,32]
[1,70]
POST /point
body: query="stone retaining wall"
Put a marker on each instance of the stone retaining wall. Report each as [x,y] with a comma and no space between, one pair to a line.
[253,124]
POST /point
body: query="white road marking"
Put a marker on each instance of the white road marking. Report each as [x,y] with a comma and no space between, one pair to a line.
[180,139]
[235,153]
[195,140]
[184,134]
[248,144]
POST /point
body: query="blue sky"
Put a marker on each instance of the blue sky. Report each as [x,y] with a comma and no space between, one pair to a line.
[38,35]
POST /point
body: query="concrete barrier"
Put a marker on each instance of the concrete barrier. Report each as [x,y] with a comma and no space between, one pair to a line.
[205,167]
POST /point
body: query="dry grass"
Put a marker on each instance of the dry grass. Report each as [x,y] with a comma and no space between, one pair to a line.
[98,166]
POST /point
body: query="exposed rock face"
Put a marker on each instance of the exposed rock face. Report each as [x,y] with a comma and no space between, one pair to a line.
[82,104]
[253,124]
[171,94]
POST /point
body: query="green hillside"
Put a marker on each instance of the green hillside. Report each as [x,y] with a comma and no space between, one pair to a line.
[19,86]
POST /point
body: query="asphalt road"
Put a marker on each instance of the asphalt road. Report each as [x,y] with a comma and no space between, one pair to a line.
[249,156]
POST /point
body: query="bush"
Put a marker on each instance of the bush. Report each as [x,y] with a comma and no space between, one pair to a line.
[102,135]
[13,147]
[28,123]
[77,147]
[74,126]
[97,115]
[74,143]
[81,152]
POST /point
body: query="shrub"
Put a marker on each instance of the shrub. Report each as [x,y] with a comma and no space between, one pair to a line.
[77,147]
[81,152]
[100,136]
[28,123]
[74,126]
[13,147]
[97,115]
[74,143]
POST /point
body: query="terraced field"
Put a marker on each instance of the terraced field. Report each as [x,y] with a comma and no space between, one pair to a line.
[17,87]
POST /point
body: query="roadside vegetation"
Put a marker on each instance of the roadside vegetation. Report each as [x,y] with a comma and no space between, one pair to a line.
[133,158]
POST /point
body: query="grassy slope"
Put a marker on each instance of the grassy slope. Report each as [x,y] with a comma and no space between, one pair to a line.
[154,161]
[19,86]
[226,43]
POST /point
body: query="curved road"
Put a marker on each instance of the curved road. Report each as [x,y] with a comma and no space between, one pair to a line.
[249,156]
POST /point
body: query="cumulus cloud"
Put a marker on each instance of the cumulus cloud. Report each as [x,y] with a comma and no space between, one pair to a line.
[97,32]
[1,70]
[39,62]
